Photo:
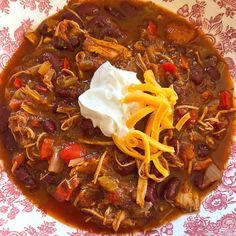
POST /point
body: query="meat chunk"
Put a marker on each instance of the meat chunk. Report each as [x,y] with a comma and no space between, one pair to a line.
[188,201]
[18,124]
[180,33]
[107,50]
[55,60]
[88,62]
[196,74]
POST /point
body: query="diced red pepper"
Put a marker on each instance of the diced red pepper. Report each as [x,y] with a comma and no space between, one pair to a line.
[15,104]
[194,117]
[226,102]
[152,29]
[169,67]
[64,192]
[40,88]
[47,149]
[18,83]
[71,151]
[66,64]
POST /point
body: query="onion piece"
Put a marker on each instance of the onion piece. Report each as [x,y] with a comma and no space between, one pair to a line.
[212,175]
[75,162]
[56,164]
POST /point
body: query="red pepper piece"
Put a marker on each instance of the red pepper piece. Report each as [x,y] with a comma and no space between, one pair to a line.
[225,100]
[152,29]
[63,191]
[71,151]
[47,149]
[18,83]
[66,64]
[169,67]
[62,195]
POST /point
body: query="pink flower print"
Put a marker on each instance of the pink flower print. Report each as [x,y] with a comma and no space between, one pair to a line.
[28,3]
[4,6]
[195,225]
[229,178]
[44,6]
[184,11]
[167,229]
[228,221]
[13,212]
[47,228]
[3,209]
[215,201]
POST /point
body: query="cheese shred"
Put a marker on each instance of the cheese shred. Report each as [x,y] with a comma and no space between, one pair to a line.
[146,147]
[182,121]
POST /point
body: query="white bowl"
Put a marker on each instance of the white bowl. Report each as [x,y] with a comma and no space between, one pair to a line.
[217,216]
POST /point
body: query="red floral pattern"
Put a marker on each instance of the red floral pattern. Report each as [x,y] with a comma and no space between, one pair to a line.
[19,217]
[217,201]
[228,5]
[204,226]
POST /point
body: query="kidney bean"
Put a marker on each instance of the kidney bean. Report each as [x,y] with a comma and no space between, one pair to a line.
[69,93]
[67,15]
[50,179]
[4,112]
[213,72]
[196,74]
[102,25]
[174,142]
[171,188]
[151,194]
[87,9]
[49,126]
[88,129]
[23,175]
[203,150]
[198,180]
[55,60]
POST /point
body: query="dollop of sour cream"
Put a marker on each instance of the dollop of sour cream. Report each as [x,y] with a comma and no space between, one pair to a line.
[101,103]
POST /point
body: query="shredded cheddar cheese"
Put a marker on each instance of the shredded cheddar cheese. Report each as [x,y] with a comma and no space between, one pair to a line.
[182,121]
[146,147]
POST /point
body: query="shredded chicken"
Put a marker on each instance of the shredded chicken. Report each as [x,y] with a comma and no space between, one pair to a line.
[120,216]
[108,50]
